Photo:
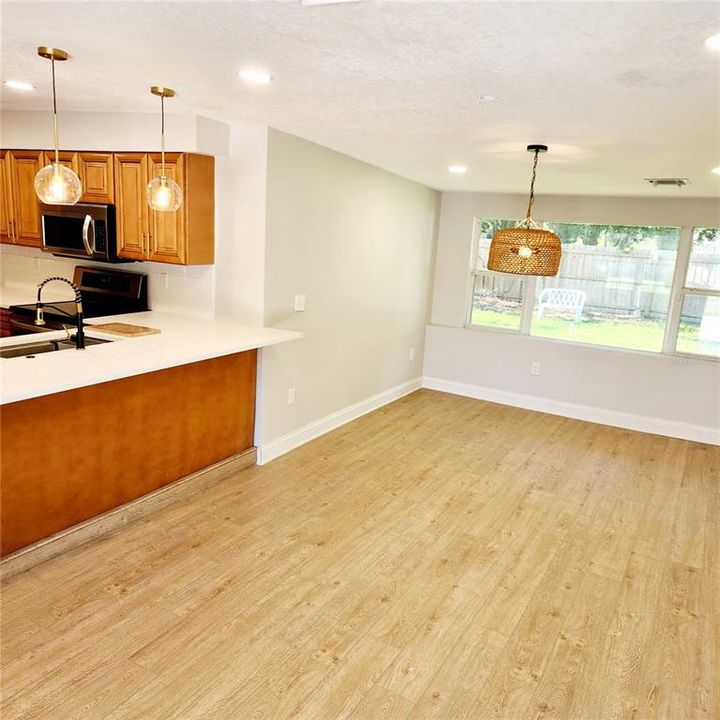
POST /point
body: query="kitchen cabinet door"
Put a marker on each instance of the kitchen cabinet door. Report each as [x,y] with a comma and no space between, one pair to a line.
[68,158]
[96,176]
[5,203]
[23,165]
[199,209]
[131,177]
[167,228]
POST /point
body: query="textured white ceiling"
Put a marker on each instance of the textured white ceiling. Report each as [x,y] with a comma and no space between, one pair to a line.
[619,90]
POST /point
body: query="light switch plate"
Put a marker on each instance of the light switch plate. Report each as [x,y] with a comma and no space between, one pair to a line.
[299,303]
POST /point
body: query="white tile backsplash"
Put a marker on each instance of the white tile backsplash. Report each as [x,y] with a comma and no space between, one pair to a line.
[176,289]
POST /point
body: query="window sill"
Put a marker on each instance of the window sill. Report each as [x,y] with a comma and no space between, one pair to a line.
[675,356]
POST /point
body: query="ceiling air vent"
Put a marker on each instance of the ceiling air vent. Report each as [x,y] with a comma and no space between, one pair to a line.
[665,182]
[309,3]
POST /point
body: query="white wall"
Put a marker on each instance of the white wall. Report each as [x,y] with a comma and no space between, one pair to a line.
[358,242]
[32,129]
[240,204]
[644,390]
[235,282]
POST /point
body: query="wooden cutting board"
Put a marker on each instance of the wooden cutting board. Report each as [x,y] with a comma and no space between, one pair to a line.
[118,328]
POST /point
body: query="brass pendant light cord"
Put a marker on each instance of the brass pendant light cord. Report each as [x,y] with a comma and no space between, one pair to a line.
[162,134]
[55,118]
[532,186]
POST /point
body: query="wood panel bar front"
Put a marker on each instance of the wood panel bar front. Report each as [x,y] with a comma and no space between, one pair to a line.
[72,455]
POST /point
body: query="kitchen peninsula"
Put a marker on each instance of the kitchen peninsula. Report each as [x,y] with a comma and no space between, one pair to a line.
[85,432]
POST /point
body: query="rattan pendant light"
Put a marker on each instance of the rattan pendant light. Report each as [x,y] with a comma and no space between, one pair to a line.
[526,249]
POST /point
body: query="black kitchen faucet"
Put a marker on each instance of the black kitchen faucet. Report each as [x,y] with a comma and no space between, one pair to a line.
[39,319]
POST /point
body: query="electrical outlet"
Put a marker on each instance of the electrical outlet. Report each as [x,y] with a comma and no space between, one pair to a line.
[535,369]
[412,354]
[299,303]
[291,396]
[165,282]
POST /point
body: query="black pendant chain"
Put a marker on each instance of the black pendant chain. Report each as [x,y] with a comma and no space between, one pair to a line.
[532,186]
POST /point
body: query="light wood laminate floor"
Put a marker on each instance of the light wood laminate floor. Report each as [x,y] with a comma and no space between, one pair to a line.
[439,558]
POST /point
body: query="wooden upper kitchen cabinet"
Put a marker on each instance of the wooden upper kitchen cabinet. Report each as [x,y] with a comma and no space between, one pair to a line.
[97,177]
[166,230]
[5,232]
[21,224]
[183,237]
[68,158]
[131,209]
[95,170]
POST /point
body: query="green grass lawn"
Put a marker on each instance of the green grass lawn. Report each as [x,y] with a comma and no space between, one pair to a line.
[635,335]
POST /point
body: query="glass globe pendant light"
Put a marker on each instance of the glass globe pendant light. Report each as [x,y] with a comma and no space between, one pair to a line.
[526,249]
[163,193]
[56,184]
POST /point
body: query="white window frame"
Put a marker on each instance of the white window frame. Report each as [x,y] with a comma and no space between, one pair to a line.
[678,292]
[529,283]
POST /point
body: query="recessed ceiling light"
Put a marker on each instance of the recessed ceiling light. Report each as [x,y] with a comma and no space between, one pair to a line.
[487,98]
[255,76]
[19,85]
[713,42]
[458,169]
[716,171]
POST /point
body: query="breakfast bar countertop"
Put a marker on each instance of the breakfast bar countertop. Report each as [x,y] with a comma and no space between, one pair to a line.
[181,340]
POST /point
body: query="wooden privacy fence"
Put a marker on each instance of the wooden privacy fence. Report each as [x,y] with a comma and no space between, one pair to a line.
[635,283]
[618,283]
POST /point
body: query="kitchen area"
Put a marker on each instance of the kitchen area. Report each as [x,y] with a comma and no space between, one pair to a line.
[117,381]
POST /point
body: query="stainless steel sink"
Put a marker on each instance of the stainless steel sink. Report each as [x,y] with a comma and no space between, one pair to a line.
[31,349]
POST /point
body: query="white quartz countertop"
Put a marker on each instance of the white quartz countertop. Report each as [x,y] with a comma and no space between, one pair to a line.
[181,340]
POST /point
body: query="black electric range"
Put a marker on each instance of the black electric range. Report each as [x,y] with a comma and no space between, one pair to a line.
[104,292]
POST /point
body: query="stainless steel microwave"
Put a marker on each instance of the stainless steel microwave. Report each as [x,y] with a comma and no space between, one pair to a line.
[84,231]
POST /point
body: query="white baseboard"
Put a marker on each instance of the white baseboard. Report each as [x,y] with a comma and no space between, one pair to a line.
[604,416]
[273,449]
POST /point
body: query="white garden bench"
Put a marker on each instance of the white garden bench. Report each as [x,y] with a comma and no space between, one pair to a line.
[561,299]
